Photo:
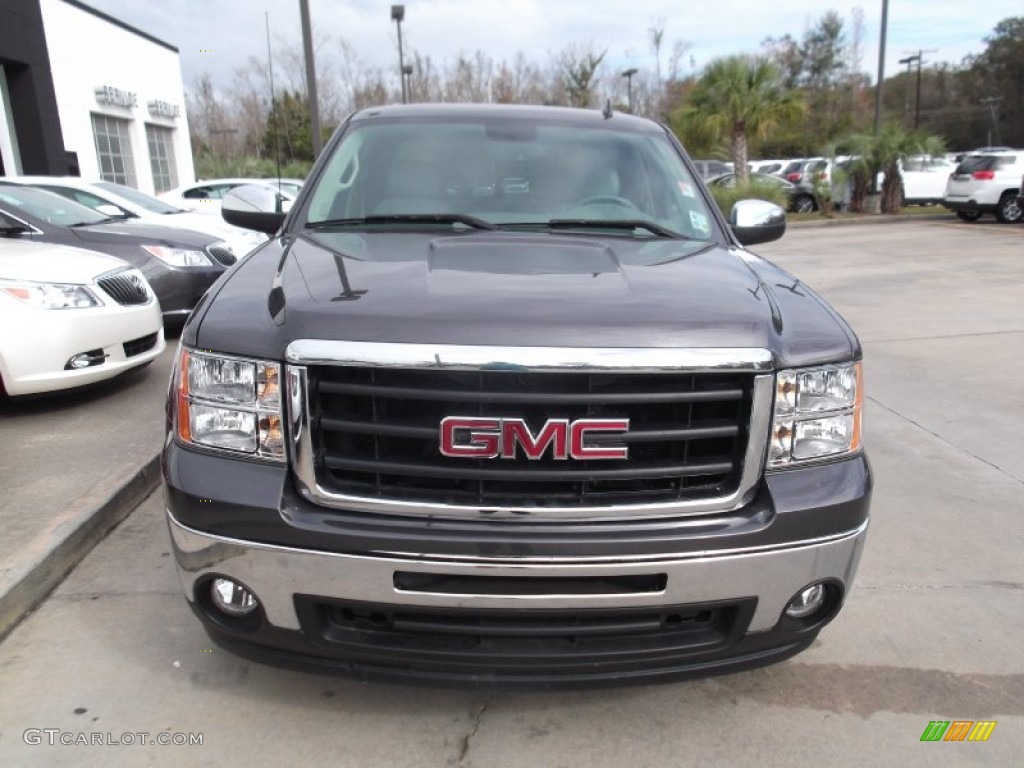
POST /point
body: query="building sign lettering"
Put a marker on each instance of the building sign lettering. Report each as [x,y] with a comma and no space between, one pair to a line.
[107,94]
[159,108]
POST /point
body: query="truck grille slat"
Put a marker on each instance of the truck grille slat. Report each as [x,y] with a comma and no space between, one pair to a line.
[330,387]
[510,474]
[375,434]
[427,433]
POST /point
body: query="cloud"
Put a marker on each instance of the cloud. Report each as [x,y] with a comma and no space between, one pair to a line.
[234,29]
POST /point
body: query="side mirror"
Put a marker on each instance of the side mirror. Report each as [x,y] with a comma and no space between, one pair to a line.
[252,206]
[113,211]
[757,221]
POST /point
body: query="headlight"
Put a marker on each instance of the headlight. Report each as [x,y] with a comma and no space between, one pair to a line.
[229,403]
[817,414]
[178,257]
[50,295]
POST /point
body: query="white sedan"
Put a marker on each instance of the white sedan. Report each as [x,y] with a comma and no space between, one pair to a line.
[205,196]
[119,201]
[70,317]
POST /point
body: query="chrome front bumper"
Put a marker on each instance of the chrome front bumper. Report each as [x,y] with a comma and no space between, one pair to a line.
[275,574]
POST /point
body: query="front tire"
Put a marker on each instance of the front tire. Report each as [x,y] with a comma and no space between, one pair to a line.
[1009,210]
[969,215]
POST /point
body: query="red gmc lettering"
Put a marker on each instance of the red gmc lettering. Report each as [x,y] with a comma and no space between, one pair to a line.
[480,438]
[580,450]
[483,437]
[515,431]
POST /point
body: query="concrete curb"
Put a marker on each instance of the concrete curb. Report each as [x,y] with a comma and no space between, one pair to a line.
[64,543]
[882,218]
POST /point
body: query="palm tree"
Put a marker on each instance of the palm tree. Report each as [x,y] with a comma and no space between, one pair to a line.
[883,153]
[740,97]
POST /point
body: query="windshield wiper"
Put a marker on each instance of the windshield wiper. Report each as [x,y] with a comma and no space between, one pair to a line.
[408,218]
[630,224]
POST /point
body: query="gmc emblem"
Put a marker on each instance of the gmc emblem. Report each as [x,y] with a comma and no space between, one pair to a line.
[472,437]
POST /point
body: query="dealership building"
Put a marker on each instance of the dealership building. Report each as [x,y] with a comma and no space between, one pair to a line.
[83,93]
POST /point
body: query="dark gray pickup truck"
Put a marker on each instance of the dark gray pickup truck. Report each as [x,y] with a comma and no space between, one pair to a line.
[507,401]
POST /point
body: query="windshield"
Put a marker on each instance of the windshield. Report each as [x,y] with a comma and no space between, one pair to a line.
[141,199]
[509,172]
[47,206]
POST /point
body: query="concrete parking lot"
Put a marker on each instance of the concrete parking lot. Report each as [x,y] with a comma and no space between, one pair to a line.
[931,631]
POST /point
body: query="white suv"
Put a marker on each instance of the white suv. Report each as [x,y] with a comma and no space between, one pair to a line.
[987,182]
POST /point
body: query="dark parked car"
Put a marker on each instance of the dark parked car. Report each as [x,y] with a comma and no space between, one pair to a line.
[505,400]
[801,197]
[179,264]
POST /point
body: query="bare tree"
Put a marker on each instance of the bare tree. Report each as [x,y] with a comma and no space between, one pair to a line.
[656,33]
[679,49]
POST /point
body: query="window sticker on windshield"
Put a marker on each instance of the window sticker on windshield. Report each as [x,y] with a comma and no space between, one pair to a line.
[686,188]
[700,222]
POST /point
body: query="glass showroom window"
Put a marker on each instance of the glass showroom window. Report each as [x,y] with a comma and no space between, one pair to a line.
[114,149]
[161,157]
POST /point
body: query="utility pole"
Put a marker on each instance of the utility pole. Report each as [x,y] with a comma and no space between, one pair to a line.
[990,102]
[919,58]
[881,69]
[906,98]
[314,104]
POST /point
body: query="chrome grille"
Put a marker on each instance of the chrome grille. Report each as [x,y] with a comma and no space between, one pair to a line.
[222,254]
[365,421]
[126,288]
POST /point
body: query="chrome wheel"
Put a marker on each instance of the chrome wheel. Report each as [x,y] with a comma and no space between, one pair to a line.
[804,204]
[1009,210]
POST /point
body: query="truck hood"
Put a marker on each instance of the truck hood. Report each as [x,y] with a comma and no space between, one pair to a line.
[516,289]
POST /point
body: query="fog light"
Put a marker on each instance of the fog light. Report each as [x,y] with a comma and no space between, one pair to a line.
[85,360]
[807,602]
[232,598]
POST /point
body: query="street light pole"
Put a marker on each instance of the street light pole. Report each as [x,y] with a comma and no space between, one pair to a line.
[906,99]
[628,74]
[397,16]
[407,78]
[314,102]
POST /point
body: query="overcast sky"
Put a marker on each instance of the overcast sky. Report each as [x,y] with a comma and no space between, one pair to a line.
[234,29]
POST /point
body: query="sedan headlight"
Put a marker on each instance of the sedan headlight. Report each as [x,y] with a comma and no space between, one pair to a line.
[51,295]
[230,404]
[817,414]
[178,257]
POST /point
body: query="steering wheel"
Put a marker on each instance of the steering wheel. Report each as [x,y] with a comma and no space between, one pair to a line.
[605,200]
